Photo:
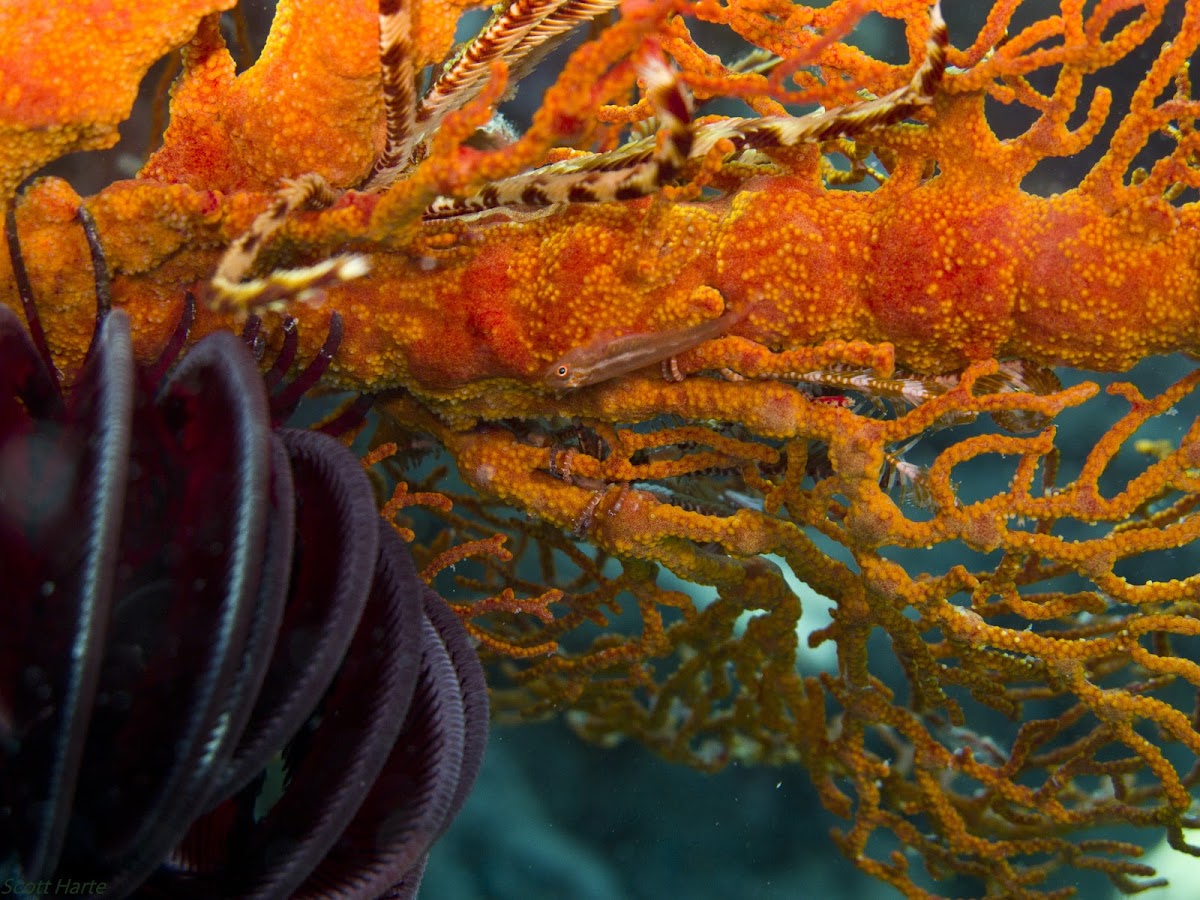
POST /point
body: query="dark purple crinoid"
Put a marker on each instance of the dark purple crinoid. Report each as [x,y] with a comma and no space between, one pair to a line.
[219,672]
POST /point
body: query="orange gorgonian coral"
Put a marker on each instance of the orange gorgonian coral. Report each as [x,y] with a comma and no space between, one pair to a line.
[652,337]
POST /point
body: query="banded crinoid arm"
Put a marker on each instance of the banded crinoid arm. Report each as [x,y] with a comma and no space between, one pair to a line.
[231,290]
[633,171]
[515,37]
[643,166]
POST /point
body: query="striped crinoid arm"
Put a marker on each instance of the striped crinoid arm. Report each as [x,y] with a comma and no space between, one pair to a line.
[647,164]
[231,290]
[465,77]
[543,37]
[510,37]
[776,132]
[517,36]
[635,170]
[399,91]
[309,191]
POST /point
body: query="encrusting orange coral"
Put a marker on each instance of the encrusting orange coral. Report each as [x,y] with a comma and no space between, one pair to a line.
[822,291]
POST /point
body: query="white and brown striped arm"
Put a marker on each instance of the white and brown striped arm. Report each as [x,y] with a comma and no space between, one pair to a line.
[645,165]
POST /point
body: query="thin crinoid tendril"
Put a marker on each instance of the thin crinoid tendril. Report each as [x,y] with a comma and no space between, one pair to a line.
[517,37]
[230,290]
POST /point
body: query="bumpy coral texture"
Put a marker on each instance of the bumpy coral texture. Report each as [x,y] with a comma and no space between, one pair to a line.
[892,290]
